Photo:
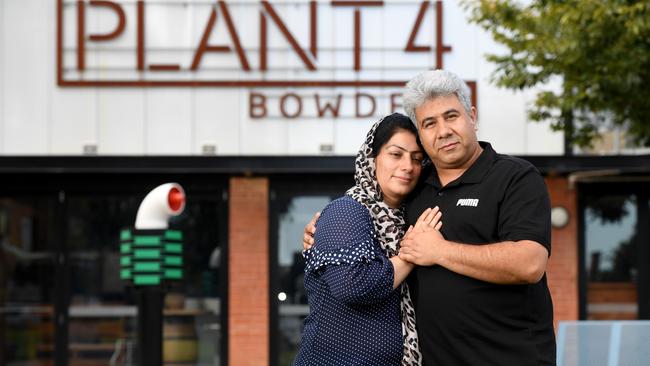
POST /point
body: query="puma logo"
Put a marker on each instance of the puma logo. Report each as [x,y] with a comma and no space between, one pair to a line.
[473,202]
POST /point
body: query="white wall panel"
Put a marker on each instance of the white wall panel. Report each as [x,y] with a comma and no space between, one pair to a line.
[168,122]
[215,123]
[263,136]
[72,112]
[462,38]
[551,143]
[26,62]
[74,120]
[121,122]
[349,134]
[501,123]
[307,135]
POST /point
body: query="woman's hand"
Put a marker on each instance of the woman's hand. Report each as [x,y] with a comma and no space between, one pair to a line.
[310,230]
[418,244]
[428,220]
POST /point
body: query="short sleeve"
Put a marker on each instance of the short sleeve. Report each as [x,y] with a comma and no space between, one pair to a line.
[344,236]
[525,212]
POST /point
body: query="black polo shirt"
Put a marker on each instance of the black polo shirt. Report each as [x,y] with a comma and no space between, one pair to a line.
[464,321]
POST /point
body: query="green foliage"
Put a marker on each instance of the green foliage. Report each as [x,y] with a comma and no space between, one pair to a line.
[591,58]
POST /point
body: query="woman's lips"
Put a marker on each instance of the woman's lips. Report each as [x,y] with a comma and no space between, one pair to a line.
[404,179]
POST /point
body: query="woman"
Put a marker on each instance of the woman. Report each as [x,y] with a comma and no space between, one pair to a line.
[357,315]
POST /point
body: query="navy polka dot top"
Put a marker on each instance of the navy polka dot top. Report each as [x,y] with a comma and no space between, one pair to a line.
[354,316]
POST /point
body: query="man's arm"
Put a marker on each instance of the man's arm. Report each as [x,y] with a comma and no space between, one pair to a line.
[508,262]
[524,230]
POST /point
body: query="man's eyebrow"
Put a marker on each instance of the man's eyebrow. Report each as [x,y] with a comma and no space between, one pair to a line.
[450,111]
[443,114]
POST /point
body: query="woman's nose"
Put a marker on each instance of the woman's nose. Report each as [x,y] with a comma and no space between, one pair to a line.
[407,164]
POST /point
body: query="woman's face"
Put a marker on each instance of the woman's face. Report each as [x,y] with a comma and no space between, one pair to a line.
[398,167]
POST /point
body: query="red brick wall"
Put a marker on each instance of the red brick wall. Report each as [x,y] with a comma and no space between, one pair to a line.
[562,271]
[248,273]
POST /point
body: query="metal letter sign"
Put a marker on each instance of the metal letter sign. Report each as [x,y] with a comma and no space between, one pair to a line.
[255,44]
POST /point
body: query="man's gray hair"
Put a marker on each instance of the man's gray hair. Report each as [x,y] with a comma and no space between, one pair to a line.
[432,84]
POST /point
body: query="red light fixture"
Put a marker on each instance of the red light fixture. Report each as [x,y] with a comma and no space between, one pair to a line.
[175,199]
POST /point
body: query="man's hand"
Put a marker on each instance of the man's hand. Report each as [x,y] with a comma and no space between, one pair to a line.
[422,248]
[419,243]
[310,230]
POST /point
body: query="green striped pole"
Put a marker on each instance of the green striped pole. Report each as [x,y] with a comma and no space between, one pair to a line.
[151,257]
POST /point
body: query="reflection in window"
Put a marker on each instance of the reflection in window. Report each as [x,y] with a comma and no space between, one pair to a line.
[293,306]
[26,279]
[610,255]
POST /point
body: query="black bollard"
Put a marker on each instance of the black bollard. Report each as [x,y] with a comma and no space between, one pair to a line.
[150,326]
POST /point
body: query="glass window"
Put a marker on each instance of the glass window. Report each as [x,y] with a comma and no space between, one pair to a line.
[613,228]
[292,299]
[26,279]
[294,206]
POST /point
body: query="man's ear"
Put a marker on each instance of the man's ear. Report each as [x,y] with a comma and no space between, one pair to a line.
[474,115]
[474,118]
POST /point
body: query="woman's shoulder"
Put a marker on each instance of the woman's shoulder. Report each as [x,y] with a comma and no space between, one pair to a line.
[344,211]
[344,235]
[345,203]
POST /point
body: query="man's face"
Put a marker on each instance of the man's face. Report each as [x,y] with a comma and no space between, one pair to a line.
[447,132]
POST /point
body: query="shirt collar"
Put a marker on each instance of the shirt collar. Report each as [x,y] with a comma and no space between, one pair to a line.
[475,173]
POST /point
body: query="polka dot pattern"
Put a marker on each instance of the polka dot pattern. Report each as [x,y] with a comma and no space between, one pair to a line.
[316,258]
[355,316]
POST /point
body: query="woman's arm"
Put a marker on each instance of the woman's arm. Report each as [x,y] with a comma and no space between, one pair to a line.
[401,270]
[360,283]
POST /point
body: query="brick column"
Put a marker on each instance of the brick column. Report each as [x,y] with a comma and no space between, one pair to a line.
[562,271]
[248,272]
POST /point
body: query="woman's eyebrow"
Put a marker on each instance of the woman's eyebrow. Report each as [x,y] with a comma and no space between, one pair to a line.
[405,149]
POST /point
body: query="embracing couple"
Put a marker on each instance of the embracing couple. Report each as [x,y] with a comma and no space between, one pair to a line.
[389,284]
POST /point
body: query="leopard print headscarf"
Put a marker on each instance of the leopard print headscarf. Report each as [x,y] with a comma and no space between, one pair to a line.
[389,224]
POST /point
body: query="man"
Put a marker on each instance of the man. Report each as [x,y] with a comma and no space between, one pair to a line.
[480,290]
[476,304]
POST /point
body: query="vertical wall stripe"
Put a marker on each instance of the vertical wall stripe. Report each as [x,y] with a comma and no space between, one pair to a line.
[248,272]
[562,269]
